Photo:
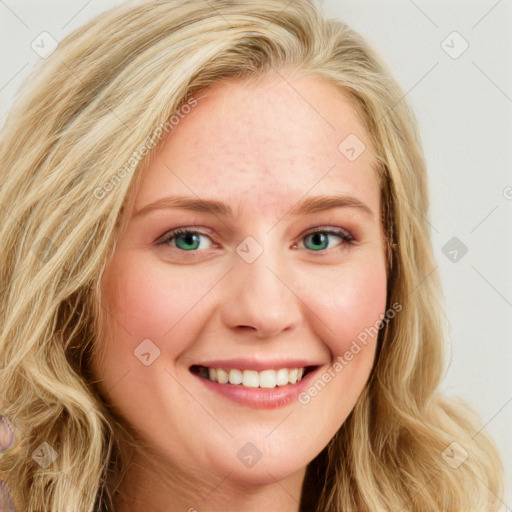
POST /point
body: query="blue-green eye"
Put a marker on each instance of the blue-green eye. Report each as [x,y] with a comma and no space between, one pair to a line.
[185,239]
[320,238]
[188,240]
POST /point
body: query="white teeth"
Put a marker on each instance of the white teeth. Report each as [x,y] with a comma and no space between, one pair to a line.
[250,379]
[222,376]
[268,379]
[235,377]
[282,377]
[253,379]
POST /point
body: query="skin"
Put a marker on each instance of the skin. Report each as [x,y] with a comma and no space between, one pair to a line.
[260,148]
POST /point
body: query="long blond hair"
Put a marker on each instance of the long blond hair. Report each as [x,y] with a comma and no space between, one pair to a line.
[69,160]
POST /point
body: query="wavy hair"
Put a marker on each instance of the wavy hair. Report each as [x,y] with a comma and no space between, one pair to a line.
[97,99]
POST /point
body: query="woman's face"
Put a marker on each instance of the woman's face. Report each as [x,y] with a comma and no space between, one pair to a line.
[250,173]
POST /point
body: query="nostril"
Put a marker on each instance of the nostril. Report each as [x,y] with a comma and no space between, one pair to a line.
[246,327]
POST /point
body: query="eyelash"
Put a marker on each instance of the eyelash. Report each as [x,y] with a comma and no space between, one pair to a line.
[346,237]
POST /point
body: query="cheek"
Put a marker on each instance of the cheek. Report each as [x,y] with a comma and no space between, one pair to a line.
[350,304]
[142,301]
[148,301]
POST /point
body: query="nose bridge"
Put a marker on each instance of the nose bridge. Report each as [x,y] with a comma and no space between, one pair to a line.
[259,295]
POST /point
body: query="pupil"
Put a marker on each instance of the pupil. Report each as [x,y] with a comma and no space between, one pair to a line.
[318,239]
[188,239]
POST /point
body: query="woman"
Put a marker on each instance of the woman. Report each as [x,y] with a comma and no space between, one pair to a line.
[221,212]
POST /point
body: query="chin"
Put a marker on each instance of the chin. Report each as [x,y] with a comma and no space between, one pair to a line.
[253,466]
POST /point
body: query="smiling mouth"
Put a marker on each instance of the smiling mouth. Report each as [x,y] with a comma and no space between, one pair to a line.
[267,379]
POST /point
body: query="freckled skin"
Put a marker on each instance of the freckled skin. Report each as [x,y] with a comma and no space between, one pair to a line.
[260,148]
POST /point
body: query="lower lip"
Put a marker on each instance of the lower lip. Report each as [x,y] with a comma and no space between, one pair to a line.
[260,398]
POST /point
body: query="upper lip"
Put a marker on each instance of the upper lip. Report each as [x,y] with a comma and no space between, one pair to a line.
[258,365]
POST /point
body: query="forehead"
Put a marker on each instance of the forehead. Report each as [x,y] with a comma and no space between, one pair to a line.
[276,140]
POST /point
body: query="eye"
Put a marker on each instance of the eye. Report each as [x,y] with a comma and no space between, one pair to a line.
[319,239]
[189,240]
[186,239]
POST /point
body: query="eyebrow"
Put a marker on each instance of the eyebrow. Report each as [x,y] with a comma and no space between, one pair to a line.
[306,206]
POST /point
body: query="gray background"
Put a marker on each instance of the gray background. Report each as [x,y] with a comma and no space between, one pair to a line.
[464,107]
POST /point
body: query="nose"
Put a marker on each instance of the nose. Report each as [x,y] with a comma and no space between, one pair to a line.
[260,298]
